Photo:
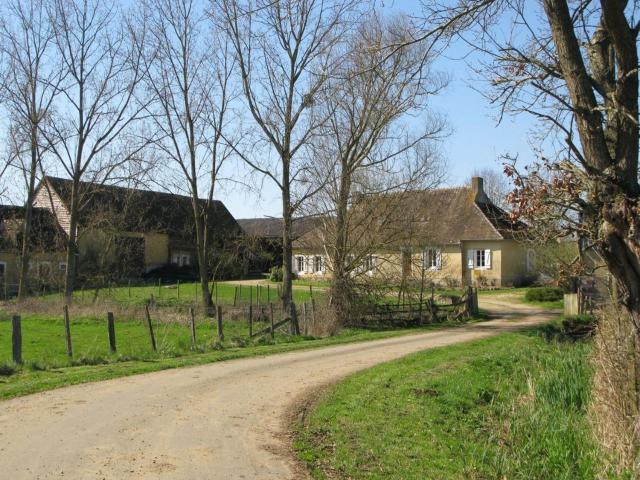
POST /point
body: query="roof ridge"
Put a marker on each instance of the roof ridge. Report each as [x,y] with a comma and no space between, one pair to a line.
[129,189]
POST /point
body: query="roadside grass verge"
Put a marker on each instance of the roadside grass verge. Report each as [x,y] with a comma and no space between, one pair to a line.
[46,365]
[512,406]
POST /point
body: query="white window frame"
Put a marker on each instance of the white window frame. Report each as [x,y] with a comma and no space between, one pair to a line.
[432,258]
[299,263]
[318,263]
[370,263]
[475,255]
[185,260]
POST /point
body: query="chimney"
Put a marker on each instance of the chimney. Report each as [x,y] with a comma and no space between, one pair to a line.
[477,190]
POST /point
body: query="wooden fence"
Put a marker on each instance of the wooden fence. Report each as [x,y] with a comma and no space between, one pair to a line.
[418,313]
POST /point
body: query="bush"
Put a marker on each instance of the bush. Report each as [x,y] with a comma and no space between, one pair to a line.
[544,294]
[275,274]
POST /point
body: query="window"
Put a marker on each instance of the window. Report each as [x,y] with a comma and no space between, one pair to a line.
[479,259]
[62,266]
[185,260]
[3,269]
[181,259]
[44,269]
[432,259]
[300,264]
[317,263]
[369,263]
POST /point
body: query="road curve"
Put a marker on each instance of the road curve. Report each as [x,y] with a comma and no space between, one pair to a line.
[219,421]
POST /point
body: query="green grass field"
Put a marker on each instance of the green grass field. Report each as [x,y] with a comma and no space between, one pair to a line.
[46,364]
[176,294]
[512,406]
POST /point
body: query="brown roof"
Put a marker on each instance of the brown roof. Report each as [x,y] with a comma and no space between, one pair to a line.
[272,227]
[451,215]
[441,216]
[45,233]
[136,210]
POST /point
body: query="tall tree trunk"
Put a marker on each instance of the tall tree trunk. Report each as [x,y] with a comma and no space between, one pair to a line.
[28,216]
[203,264]
[72,244]
[340,289]
[287,251]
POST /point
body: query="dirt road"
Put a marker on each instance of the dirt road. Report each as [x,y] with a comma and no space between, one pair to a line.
[218,421]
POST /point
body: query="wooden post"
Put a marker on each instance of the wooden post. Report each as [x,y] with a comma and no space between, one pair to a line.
[304,316]
[235,295]
[152,338]
[178,289]
[16,339]
[111,330]
[271,311]
[313,313]
[250,320]
[240,294]
[159,287]
[192,314]
[250,294]
[129,287]
[219,318]
[295,326]
[268,293]
[311,291]
[67,331]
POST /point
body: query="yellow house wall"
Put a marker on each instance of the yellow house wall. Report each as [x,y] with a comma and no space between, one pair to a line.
[156,245]
[12,261]
[514,264]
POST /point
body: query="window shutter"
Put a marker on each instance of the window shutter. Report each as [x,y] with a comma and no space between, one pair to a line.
[487,258]
[439,259]
[470,259]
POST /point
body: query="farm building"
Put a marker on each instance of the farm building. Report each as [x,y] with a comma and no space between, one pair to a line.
[133,231]
[454,236]
[46,245]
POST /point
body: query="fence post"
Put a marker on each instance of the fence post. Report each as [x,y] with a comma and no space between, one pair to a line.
[16,339]
[304,317]
[268,293]
[313,314]
[192,314]
[311,291]
[250,320]
[219,318]
[235,295]
[271,311]
[129,287]
[67,331]
[111,330]
[152,338]
[178,289]
[295,326]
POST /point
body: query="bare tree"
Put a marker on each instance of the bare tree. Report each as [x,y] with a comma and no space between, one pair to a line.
[284,54]
[189,79]
[366,151]
[99,54]
[29,85]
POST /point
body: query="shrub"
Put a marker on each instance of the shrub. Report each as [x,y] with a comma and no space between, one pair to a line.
[544,294]
[275,274]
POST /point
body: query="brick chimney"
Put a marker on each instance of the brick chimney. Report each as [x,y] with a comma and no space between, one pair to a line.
[477,190]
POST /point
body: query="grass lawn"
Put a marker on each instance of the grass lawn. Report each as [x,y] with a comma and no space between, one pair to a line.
[508,407]
[176,294]
[46,365]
